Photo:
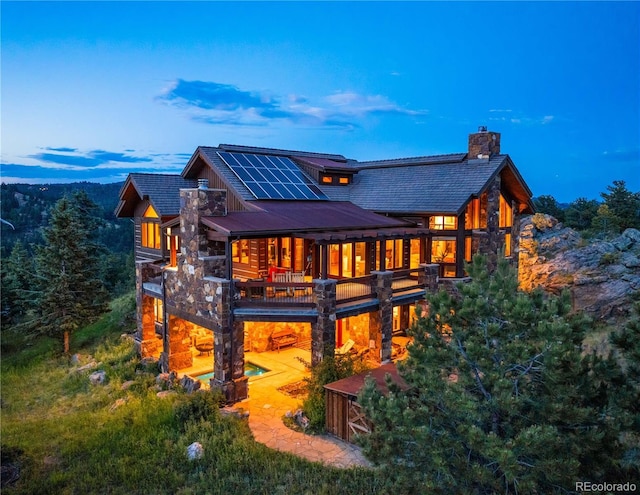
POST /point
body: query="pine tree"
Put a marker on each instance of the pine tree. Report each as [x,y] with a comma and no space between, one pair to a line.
[501,399]
[623,205]
[18,274]
[71,293]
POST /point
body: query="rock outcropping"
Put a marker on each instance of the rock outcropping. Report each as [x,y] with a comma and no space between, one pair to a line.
[602,276]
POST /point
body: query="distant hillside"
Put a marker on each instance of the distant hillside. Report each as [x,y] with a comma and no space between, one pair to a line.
[26,207]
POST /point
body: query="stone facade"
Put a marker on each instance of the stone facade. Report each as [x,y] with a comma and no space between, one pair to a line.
[483,144]
[323,332]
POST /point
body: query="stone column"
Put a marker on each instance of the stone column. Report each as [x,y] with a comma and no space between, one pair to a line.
[428,277]
[381,327]
[323,331]
[179,348]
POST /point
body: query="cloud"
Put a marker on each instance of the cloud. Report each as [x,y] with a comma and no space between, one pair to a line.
[508,115]
[90,159]
[62,150]
[224,104]
[623,155]
[547,119]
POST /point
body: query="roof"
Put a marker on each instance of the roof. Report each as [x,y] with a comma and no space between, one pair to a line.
[427,187]
[275,217]
[162,191]
[353,384]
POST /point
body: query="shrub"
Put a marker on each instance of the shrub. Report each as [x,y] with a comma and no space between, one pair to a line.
[201,405]
[330,369]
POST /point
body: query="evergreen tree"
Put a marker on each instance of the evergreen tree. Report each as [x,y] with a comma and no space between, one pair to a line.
[623,205]
[18,275]
[548,204]
[580,213]
[71,293]
[501,400]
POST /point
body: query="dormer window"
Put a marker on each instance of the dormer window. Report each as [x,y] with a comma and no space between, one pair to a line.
[335,179]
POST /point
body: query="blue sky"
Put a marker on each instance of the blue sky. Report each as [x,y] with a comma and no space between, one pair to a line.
[95,90]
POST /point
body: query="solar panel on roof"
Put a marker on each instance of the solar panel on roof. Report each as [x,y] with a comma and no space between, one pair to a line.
[271,177]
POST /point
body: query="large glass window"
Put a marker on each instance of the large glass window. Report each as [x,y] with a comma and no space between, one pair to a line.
[506,213]
[414,255]
[150,229]
[361,256]
[443,222]
[472,215]
[507,245]
[443,250]
[393,254]
[334,260]
[158,310]
[347,260]
[173,245]
[299,257]
[240,251]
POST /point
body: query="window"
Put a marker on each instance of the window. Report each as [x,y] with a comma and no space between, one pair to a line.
[343,180]
[507,245]
[467,249]
[393,254]
[443,223]
[240,251]
[361,256]
[443,250]
[414,254]
[158,311]
[472,215]
[506,213]
[326,179]
[150,229]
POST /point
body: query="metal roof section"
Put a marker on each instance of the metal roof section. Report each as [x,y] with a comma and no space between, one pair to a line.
[413,161]
[282,217]
[352,385]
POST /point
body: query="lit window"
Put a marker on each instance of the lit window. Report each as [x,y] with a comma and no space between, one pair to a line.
[158,311]
[507,245]
[240,251]
[344,180]
[414,255]
[327,179]
[467,248]
[506,213]
[173,245]
[150,232]
[472,215]
[443,223]
[443,251]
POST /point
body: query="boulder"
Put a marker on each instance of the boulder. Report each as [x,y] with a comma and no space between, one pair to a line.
[98,377]
[195,451]
[602,276]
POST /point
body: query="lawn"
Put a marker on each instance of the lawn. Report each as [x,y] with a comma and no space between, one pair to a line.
[68,436]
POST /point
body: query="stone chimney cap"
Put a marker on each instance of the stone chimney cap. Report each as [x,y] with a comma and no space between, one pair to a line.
[203,183]
[482,128]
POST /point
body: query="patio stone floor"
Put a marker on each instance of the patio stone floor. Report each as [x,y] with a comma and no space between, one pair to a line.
[267,406]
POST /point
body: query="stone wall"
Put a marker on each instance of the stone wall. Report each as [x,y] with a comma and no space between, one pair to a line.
[484,143]
[323,332]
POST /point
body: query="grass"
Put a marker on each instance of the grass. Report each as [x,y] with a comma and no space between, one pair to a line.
[68,436]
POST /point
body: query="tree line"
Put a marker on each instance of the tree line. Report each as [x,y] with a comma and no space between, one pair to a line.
[619,210]
[64,278]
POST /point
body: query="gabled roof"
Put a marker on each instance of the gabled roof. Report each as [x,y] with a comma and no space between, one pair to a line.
[162,191]
[437,186]
[277,217]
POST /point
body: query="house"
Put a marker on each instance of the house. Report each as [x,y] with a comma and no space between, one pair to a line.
[258,249]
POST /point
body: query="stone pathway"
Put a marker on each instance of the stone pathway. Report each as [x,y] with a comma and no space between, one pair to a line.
[265,421]
[267,406]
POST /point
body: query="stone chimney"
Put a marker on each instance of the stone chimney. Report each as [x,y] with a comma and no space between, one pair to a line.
[483,144]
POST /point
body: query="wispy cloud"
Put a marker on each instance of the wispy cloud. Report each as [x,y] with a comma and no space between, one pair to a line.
[216,103]
[70,164]
[623,155]
[508,115]
[90,159]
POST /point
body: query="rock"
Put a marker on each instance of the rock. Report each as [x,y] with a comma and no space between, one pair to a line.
[87,366]
[128,384]
[195,451]
[189,384]
[118,403]
[166,380]
[602,276]
[165,393]
[98,377]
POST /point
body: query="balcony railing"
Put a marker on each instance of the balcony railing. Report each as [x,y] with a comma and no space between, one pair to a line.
[274,294]
[355,289]
[406,280]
